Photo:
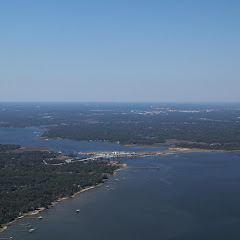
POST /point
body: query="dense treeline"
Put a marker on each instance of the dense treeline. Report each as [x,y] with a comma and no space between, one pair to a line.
[218,135]
[8,147]
[216,146]
[124,133]
[28,184]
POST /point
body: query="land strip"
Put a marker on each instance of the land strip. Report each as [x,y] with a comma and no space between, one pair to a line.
[122,154]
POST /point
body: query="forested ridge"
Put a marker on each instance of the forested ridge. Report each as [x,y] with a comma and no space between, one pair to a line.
[208,135]
[27,184]
[202,125]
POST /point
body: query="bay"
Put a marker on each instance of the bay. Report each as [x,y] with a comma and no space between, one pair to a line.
[191,196]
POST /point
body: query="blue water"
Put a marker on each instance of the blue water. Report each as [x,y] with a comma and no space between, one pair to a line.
[192,196]
[28,137]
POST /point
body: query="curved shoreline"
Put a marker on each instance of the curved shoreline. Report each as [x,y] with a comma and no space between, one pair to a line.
[35,212]
[133,145]
[169,151]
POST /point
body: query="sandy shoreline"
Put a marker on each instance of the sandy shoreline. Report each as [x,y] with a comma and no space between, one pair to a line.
[35,212]
[170,151]
[30,149]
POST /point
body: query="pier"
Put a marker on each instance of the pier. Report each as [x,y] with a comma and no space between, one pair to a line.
[145,168]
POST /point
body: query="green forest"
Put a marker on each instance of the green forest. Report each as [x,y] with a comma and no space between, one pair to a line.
[207,135]
[28,184]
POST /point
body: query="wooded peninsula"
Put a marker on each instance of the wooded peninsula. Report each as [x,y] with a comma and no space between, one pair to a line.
[28,184]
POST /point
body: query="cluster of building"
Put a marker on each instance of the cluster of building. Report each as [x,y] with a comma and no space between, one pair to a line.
[156,111]
[107,155]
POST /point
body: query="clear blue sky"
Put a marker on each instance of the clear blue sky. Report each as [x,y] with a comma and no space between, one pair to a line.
[120,50]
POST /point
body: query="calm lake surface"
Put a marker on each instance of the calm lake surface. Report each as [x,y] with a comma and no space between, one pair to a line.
[192,196]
